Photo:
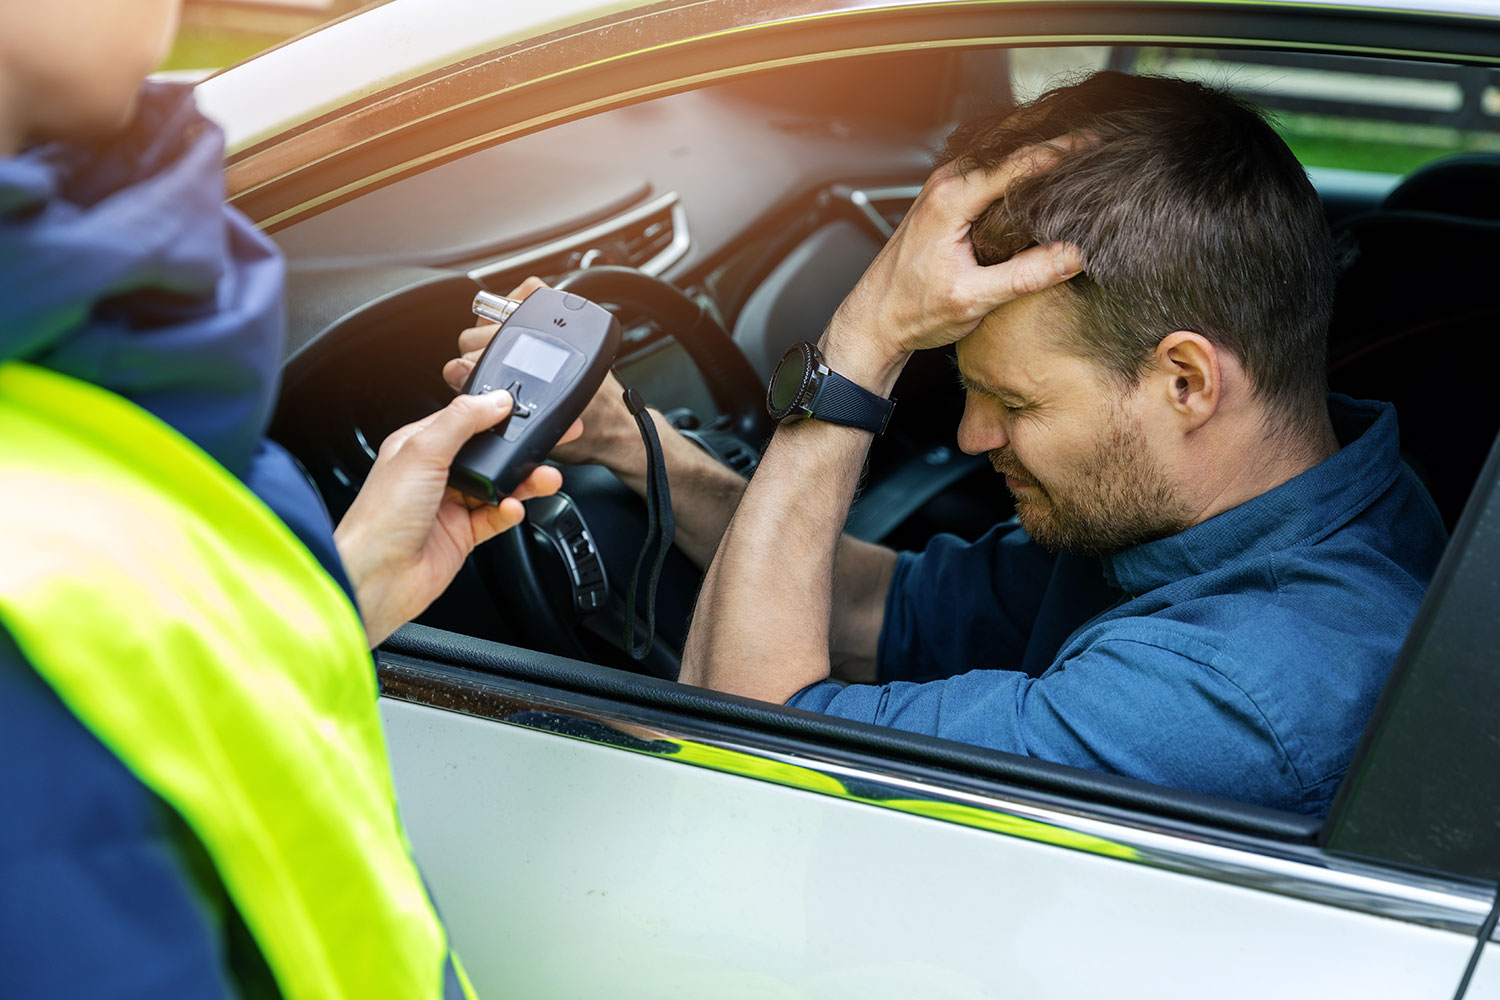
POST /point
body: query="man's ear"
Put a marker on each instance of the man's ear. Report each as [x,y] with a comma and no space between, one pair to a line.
[1189,376]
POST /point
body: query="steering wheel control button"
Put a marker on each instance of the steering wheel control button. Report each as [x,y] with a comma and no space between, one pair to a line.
[568,523]
[590,573]
[557,520]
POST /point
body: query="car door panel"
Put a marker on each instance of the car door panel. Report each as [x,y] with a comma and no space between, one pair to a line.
[569,868]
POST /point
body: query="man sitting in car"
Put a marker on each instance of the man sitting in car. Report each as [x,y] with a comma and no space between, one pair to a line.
[1213,563]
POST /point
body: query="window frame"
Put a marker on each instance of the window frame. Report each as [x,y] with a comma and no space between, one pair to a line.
[418,124]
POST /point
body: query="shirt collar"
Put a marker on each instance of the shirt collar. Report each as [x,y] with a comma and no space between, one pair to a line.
[1299,511]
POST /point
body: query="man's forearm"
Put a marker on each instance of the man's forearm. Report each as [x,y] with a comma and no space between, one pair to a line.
[763,619]
[705,492]
[705,495]
[769,612]
[861,579]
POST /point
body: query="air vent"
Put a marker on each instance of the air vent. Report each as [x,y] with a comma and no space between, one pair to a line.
[548,267]
[651,237]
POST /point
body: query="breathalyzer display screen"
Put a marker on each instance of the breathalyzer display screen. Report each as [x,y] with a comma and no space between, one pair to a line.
[536,358]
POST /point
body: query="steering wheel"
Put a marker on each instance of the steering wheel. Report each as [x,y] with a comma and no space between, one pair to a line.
[528,569]
[735,387]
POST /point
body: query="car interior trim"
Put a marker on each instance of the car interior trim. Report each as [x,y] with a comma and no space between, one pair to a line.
[274,174]
[585,239]
[417,72]
[365,446]
[862,200]
[1301,872]
[243,196]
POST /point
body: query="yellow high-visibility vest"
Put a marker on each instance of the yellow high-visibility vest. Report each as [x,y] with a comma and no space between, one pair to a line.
[186,626]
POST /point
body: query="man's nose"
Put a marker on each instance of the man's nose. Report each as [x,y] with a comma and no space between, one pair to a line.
[980,430]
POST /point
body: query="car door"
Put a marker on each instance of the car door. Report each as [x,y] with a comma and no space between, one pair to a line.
[585,835]
[590,832]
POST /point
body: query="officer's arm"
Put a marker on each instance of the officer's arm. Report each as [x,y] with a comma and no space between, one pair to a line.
[407,533]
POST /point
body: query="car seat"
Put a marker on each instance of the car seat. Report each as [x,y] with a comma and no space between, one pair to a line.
[1416,316]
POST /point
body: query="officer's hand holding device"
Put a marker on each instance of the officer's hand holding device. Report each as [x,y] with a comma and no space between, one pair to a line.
[552,352]
[405,536]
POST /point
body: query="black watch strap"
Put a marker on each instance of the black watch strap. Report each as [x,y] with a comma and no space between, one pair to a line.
[804,386]
[840,401]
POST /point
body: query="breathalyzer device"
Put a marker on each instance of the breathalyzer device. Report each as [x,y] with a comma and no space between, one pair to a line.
[551,354]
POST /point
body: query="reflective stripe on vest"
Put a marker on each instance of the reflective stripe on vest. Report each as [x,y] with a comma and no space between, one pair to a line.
[186,626]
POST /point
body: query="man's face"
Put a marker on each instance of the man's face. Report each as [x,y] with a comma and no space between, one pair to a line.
[1069,440]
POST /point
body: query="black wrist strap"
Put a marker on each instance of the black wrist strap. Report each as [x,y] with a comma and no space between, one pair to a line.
[661,527]
[840,401]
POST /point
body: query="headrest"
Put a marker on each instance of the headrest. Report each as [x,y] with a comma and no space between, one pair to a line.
[1467,185]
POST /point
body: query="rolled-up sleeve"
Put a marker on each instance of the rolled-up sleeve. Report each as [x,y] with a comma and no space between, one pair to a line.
[957,596]
[1125,705]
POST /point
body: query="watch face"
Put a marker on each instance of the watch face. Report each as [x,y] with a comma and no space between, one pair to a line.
[787,382]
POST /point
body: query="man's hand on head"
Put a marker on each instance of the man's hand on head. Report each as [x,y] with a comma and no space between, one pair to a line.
[925,288]
[763,626]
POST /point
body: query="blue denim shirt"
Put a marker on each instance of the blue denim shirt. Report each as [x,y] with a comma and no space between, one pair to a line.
[1240,658]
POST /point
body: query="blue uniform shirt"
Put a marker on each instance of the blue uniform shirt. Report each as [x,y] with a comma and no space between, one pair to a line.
[1240,658]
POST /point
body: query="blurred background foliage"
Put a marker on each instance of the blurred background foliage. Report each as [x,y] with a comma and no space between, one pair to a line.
[219,33]
[215,48]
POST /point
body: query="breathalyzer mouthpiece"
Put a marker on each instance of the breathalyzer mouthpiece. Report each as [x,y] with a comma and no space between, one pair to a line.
[495,308]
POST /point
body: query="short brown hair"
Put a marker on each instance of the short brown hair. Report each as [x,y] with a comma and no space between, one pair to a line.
[1191,214]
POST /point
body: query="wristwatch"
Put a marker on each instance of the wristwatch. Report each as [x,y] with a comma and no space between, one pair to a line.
[803,386]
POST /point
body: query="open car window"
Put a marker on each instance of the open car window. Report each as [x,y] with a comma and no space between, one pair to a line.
[773,189]
[1383,118]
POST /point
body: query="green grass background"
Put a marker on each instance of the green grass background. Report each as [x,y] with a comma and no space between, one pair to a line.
[1372,145]
[203,48]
